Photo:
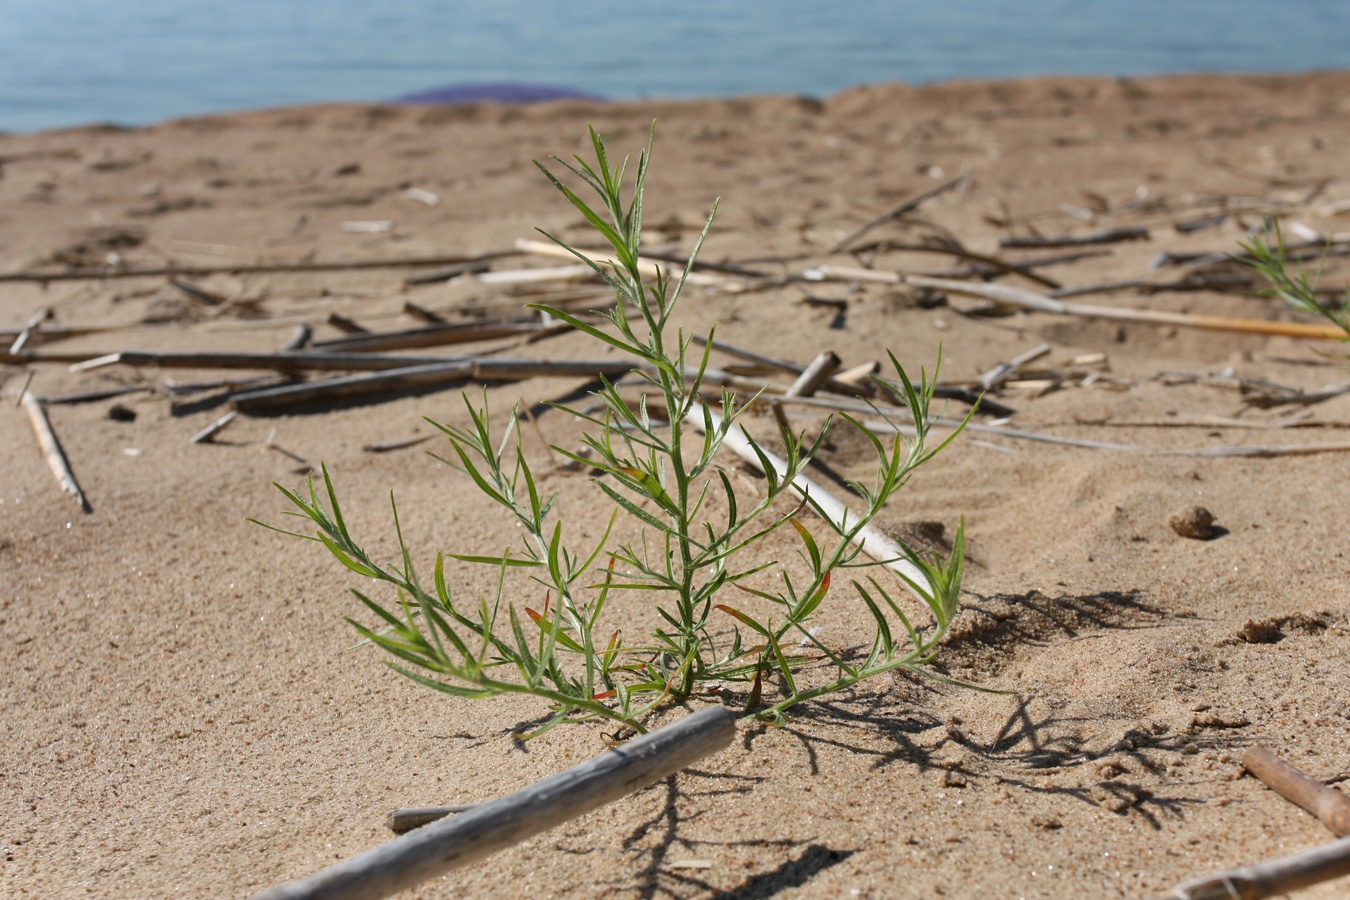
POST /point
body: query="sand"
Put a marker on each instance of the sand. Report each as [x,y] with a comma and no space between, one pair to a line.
[182,714]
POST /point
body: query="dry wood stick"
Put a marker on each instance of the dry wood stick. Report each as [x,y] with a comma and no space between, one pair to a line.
[808,382]
[55,332]
[51,450]
[445,274]
[292,361]
[302,335]
[815,375]
[1330,806]
[531,276]
[31,357]
[29,329]
[412,378]
[831,384]
[648,267]
[421,312]
[427,336]
[1002,293]
[850,273]
[407,818]
[903,209]
[1003,371]
[389,446]
[199,294]
[95,396]
[408,262]
[208,434]
[488,827]
[406,379]
[346,326]
[1109,236]
[1273,876]
[871,541]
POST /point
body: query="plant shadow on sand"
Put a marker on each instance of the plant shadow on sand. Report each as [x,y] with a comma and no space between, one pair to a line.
[652,876]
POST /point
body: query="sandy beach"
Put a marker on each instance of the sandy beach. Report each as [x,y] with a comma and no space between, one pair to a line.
[183,714]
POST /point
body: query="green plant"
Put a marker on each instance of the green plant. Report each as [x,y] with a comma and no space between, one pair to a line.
[698,537]
[1298,290]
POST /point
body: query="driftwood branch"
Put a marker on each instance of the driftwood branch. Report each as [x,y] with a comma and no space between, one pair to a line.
[51,450]
[488,827]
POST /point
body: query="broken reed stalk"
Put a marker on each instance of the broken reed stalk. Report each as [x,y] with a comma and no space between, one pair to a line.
[412,378]
[488,827]
[208,434]
[1330,806]
[1272,877]
[1002,293]
[51,450]
[871,541]
[836,385]
[1109,236]
[29,329]
[101,272]
[1003,371]
[426,336]
[403,820]
[808,382]
[292,361]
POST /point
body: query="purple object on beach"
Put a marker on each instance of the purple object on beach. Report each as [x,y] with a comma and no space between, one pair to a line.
[495,92]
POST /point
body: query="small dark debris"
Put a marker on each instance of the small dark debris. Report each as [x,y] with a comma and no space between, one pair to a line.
[120,413]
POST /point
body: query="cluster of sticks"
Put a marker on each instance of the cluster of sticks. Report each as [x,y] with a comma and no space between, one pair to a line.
[380,368]
[1287,873]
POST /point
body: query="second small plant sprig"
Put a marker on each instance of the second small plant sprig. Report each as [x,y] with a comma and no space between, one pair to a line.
[699,544]
[1298,290]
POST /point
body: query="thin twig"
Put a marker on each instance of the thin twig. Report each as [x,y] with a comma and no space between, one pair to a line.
[51,450]
[208,434]
[29,330]
[407,818]
[1109,236]
[903,209]
[1000,373]
[101,272]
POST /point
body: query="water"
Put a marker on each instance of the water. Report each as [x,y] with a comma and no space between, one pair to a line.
[70,62]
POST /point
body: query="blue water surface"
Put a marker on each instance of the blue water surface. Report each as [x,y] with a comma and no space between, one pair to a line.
[70,62]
